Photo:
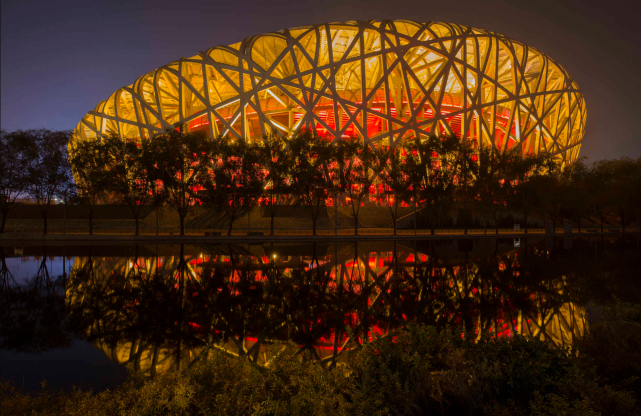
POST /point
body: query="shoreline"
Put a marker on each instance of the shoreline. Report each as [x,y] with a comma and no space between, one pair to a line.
[236,238]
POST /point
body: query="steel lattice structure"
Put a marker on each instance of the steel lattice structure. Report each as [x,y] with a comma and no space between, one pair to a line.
[381,81]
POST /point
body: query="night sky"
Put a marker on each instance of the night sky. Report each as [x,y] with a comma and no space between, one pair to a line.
[60,58]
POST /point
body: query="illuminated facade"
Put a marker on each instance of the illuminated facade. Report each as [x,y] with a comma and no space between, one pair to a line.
[380,81]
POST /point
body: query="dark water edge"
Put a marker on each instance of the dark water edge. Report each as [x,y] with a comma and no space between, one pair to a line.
[65,356]
[80,365]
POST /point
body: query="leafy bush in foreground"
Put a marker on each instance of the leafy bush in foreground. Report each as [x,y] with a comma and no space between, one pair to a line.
[419,371]
[614,343]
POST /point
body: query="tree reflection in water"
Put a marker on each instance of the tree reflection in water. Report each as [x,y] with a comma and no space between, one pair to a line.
[170,310]
[33,317]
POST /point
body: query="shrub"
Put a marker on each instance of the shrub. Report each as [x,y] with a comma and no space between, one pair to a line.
[614,342]
[424,371]
[420,370]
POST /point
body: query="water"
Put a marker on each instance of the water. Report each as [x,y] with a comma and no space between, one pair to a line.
[86,315]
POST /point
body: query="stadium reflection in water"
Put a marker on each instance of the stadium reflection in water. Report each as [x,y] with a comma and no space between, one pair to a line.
[165,307]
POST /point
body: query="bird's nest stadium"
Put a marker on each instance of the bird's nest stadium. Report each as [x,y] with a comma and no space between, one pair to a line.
[381,81]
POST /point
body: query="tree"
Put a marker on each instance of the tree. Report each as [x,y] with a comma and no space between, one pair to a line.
[527,184]
[88,163]
[356,170]
[552,188]
[237,178]
[413,174]
[392,174]
[493,182]
[128,178]
[17,149]
[326,159]
[466,172]
[435,157]
[635,189]
[575,192]
[311,158]
[599,181]
[48,171]
[181,162]
[277,164]
[626,178]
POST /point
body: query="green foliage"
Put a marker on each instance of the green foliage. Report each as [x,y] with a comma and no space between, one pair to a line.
[438,175]
[424,371]
[236,180]
[432,160]
[614,344]
[18,149]
[554,405]
[356,169]
[88,161]
[417,371]
[180,161]
[277,161]
[494,183]
[127,178]
[310,181]
[45,173]
[394,175]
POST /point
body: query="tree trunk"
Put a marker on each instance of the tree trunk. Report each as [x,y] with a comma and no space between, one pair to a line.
[273,214]
[525,215]
[181,291]
[44,221]
[623,221]
[432,223]
[3,221]
[314,214]
[355,215]
[415,220]
[136,218]
[336,214]
[272,211]
[395,213]
[579,224]
[90,221]
[601,222]
[466,221]
[313,224]
[182,224]
[231,223]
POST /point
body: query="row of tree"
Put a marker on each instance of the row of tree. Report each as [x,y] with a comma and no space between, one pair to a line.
[434,176]
[33,163]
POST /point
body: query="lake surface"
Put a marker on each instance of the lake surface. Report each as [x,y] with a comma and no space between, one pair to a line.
[86,315]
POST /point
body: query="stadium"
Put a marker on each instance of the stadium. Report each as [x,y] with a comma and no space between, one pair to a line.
[382,81]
